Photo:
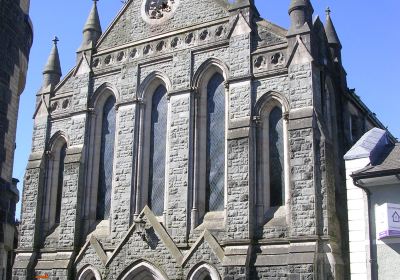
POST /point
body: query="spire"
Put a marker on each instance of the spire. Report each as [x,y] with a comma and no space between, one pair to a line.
[330,30]
[300,12]
[92,29]
[52,70]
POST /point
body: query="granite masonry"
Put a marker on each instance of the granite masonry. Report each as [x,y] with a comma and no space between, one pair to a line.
[192,140]
[16,40]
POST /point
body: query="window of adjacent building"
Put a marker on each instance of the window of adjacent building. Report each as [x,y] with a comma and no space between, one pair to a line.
[158,134]
[354,128]
[106,160]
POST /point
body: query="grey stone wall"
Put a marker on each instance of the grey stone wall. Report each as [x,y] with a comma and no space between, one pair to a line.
[259,62]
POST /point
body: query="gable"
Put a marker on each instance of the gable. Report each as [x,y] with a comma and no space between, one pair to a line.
[129,26]
[268,34]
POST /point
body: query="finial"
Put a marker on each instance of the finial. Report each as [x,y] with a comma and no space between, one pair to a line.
[328,11]
[55,40]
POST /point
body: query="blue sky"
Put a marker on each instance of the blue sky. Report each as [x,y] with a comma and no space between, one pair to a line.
[369,32]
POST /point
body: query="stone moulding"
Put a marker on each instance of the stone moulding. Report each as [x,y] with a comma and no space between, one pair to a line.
[180,259]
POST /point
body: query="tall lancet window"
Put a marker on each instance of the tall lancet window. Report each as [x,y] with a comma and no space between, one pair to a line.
[271,159]
[60,182]
[276,157]
[106,160]
[215,166]
[52,197]
[158,134]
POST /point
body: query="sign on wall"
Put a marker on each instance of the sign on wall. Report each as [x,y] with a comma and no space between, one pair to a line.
[388,221]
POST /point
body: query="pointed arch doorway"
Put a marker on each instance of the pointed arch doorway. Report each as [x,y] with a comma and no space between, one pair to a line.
[144,271]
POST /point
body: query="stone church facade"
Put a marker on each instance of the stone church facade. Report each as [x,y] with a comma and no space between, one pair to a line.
[15,42]
[193,140]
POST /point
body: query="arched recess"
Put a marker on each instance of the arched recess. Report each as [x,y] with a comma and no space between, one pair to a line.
[329,107]
[204,271]
[210,123]
[89,273]
[152,150]
[57,150]
[271,154]
[143,271]
[100,154]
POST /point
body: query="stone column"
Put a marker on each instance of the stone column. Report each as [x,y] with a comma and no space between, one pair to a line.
[177,193]
[30,233]
[237,196]
[124,160]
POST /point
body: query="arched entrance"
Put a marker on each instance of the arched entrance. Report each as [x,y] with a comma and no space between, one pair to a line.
[89,273]
[204,272]
[143,271]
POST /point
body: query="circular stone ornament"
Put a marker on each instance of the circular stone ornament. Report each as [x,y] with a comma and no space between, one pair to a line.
[158,11]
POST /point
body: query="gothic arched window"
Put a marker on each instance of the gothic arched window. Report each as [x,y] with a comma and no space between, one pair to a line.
[158,136]
[271,160]
[54,183]
[60,181]
[276,158]
[106,160]
[215,151]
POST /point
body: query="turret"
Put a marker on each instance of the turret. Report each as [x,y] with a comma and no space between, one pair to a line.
[300,12]
[333,39]
[52,70]
[91,30]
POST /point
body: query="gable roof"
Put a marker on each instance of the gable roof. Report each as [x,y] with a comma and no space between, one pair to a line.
[129,25]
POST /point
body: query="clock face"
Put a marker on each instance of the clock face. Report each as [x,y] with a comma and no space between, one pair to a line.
[156,11]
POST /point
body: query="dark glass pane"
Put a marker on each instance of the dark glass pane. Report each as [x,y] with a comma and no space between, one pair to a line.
[60,182]
[159,112]
[215,143]
[276,160]
[106,160]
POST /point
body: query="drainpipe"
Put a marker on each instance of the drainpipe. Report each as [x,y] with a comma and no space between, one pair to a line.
[372,253]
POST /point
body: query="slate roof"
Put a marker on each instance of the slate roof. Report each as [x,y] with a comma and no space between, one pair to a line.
[369,145]
[387,163]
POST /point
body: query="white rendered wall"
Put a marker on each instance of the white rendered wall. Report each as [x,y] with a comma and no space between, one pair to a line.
[358,223]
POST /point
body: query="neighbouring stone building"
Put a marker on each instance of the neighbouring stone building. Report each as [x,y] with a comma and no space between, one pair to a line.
[192,140]
[15,43]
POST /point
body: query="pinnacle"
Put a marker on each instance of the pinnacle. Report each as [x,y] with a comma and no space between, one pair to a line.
[93,20]
[330,30]
[53,62]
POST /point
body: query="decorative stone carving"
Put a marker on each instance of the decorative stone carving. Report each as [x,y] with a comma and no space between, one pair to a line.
[133,53]
[160,46]
[259,61]
[96,62]
[147,49]
[189,38]
[203,35]
[54,106]
[156,11]
[65,104]
[277,59]
[120,56]
[174,42]
[219,31]
[157,8]
[108,59]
